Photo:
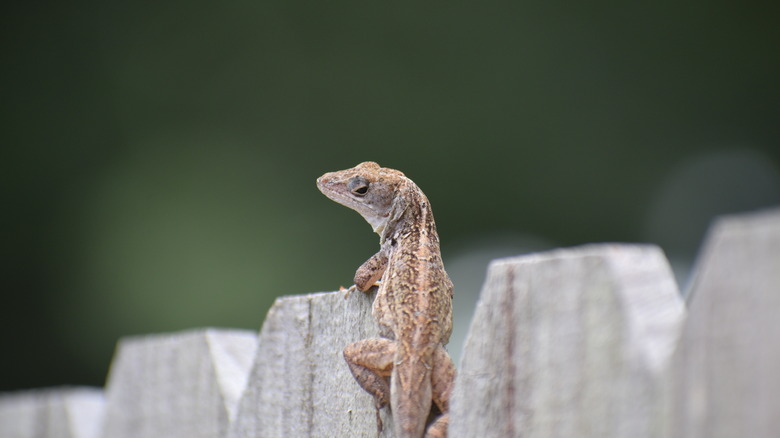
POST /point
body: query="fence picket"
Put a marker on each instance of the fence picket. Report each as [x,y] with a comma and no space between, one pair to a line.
[183,384]
[67,412]
[569,343]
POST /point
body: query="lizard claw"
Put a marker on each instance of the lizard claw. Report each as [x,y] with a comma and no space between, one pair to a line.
[379,425]
[354,287]
[348,290]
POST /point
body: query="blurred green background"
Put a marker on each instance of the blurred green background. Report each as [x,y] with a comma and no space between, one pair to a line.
[159,158]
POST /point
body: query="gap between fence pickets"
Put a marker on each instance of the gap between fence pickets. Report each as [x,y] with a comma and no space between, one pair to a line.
[572,342]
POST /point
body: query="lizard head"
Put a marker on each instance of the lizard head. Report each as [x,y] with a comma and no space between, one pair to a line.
[367,188]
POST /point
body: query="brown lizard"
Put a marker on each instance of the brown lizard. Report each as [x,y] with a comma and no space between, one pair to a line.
[413,306]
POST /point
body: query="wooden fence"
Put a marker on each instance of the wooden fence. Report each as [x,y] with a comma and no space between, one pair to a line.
[592,341]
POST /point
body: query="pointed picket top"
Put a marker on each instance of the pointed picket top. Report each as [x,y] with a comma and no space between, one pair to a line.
[85,408]
[232,358]
[567,343]
[67,412]
[724,380]
[177,385]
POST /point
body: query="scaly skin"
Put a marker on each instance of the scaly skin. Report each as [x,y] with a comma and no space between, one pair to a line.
[413,306]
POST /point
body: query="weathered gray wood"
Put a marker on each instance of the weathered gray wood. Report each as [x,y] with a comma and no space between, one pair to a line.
[51,413]
[177,385]
[569,343]
[725,376]
[300,385]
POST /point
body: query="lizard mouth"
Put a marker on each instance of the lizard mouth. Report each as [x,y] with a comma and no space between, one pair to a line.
[326,187]
[330,188]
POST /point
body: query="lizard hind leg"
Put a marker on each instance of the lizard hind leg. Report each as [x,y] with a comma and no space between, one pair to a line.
[371,362]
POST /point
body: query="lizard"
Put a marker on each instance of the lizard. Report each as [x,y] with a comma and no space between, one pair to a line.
[413,304]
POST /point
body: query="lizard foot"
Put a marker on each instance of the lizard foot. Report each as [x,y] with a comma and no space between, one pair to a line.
[347,290]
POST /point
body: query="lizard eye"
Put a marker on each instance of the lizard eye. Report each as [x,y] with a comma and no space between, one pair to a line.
[358,186]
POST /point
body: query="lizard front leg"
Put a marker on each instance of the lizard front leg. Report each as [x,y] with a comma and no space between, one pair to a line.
[371,271]
[371,363]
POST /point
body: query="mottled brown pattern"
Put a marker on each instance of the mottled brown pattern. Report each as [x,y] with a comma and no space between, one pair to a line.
[414,304]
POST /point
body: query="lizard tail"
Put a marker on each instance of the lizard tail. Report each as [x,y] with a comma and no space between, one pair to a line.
[410,396]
